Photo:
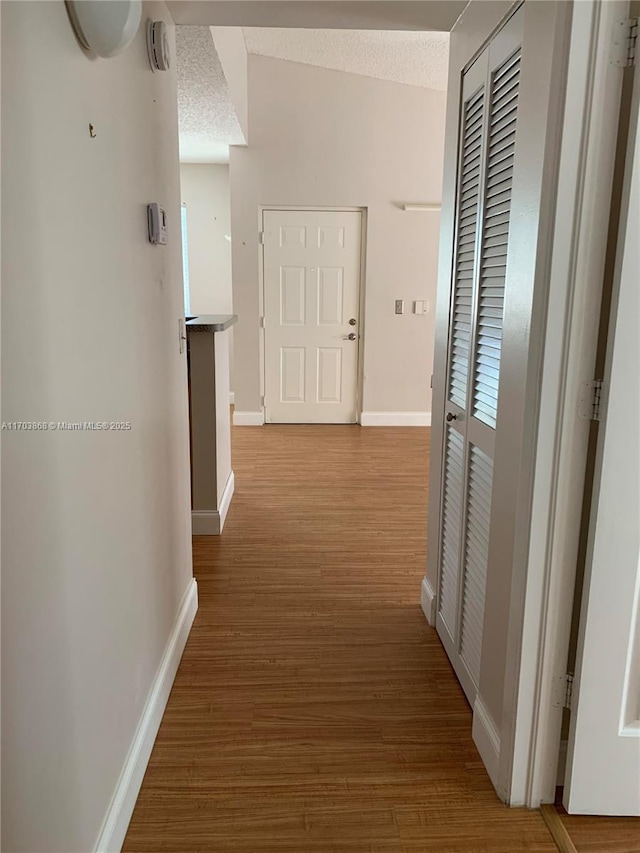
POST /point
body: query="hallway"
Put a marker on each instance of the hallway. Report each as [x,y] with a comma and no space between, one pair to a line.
[314,708]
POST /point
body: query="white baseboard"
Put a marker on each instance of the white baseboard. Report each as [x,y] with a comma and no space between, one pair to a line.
[417,419]
[232,398]
[248,418]
[428,601]
[225,500]
[116,822]
[210,522]
[487,739]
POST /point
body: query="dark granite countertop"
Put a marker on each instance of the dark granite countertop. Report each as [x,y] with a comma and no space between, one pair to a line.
[211,322]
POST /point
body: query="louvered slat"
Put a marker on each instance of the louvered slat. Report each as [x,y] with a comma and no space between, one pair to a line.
[476,551]
[466,248]
[495,237]
[451,529]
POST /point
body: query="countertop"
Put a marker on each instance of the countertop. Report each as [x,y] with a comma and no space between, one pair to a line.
[211,322]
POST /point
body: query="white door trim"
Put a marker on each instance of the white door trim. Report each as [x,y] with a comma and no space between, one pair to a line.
[262,208]
[606,685]
[586,170]
[473,29]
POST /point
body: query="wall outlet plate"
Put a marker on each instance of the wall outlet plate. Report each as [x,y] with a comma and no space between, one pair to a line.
[399,306]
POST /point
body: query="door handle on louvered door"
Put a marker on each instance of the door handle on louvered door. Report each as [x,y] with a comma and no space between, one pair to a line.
[451,417]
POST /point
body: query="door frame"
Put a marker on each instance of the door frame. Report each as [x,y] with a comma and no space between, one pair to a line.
[262,209]
[624,685]
[541,601]
[478,24]
[540,636]
[541,605]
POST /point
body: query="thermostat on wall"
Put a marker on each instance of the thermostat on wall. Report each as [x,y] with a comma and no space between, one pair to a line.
[157,223]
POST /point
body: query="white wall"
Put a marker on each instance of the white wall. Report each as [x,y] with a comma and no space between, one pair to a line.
[205,191]
[96,552]
[232,53]
[327,138]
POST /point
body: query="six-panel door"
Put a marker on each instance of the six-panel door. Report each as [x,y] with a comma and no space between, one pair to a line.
[311,315]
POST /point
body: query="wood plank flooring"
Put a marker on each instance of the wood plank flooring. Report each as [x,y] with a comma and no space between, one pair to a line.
[591,834]
[314,708]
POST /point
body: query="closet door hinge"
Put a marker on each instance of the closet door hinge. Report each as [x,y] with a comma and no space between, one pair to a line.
[623,44]
[261,237]
[591,403]
[563,691]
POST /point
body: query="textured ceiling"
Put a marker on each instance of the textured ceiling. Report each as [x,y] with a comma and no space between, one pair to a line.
[207,120]
[416,58]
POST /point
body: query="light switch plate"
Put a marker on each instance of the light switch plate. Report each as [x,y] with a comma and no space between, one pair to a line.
[399,306]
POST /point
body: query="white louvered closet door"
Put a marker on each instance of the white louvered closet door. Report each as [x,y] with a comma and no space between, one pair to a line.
[488,130]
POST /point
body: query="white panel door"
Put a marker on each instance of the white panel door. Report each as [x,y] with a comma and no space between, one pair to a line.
[603,766]
[311,315]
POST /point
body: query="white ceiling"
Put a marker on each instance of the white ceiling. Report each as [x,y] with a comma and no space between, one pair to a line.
[415,58]
[206,118]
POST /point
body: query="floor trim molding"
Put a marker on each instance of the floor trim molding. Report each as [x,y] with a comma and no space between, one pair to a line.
[486,738]
[417,419]
[557,828]
[248,418]
[210,522]
[116,822]
[225,500]
[428,601]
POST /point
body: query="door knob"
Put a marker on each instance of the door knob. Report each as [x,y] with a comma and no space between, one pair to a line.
[350,337]
[352,321]
[451,417]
